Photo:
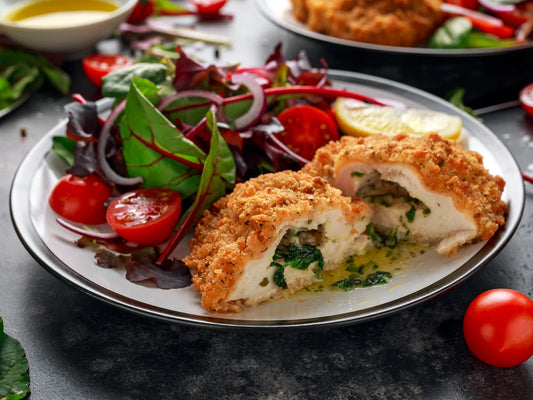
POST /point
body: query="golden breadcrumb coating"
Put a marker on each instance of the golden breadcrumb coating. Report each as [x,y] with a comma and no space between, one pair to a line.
[385,22]
[244,224]
[443,166]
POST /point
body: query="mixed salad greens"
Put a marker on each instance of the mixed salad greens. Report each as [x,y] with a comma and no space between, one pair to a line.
[22,72]
[484,24]
[189,128]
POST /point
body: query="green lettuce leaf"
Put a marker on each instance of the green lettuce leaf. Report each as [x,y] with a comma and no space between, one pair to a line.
[156,149]
[14,378]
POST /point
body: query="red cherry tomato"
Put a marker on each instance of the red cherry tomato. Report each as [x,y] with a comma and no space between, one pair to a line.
[306,129]
[208,7]
[470,4]
[81,199]
[96,66]
[145,216]
[526,98]
[498,327]
[142,10]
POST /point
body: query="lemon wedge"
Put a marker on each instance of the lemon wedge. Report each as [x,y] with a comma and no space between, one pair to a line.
[357,118]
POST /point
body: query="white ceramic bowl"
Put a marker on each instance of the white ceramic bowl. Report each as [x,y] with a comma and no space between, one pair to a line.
[77,37]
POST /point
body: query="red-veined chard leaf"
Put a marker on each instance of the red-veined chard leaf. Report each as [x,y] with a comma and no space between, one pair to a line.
[218,175]
[14,378]
[155,149]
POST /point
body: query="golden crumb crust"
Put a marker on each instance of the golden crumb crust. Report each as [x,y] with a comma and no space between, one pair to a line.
[242,225]
[443,166]
[385,22]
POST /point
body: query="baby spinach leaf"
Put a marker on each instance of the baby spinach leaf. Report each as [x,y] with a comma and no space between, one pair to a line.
[155,149]
[117,83]
[14,378]
[217,175]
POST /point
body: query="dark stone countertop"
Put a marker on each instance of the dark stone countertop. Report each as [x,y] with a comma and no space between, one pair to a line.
[81,348]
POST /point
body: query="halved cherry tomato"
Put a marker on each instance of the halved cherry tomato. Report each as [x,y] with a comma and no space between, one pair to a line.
[96,66]
[81,199]
[498,327]
[306,129]
[145,216]
[142,10]
[526,98]
[208,7]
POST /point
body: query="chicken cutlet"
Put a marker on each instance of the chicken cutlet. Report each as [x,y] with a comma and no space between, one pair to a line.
[421,189]
[272,236]
[384,22]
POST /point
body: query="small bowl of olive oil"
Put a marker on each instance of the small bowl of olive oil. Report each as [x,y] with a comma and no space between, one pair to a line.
[61,26]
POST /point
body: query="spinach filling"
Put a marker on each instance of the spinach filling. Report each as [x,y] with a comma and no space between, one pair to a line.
[362,276]
[298,256]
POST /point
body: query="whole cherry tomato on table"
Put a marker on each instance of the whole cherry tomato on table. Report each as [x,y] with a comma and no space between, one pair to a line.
[498,327]
[81,200]
[145,216]
[96,66]
[306,129]
[526,98]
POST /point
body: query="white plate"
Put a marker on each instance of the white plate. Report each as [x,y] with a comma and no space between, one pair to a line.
[279,12]
[427,276]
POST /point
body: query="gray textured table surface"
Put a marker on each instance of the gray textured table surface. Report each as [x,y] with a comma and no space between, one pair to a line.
[80,348]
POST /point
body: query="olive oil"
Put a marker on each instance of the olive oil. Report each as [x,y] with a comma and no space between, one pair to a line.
[59,13]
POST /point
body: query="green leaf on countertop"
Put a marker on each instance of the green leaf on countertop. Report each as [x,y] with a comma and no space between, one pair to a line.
[117,83]
[156,149]
[14,378]
[452,34]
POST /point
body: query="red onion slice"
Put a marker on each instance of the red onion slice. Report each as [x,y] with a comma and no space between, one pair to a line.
[258,107]
[109,173]
[456,10]
[212,97]
[84,232]
[497,7]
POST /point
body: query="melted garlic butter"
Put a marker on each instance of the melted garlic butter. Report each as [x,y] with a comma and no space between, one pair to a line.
[393,261]
[59,13]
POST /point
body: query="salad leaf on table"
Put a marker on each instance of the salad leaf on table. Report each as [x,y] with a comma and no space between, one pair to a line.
[14,378]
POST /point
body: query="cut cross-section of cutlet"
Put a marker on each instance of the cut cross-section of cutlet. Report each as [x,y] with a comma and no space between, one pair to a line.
[273,235]
[421,189]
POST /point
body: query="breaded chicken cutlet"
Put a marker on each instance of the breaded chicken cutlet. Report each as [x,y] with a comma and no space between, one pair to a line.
[271,236]
[422,189]
[384,22]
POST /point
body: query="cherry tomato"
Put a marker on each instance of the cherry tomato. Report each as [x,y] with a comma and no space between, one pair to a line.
[96,66]
[526,98]
[145,216]
[142,10]
[208,7]
[498,327]
[306,129]
[81,199]
[470,4]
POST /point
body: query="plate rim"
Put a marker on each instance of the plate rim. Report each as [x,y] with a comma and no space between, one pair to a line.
[269,13]
[27,233]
